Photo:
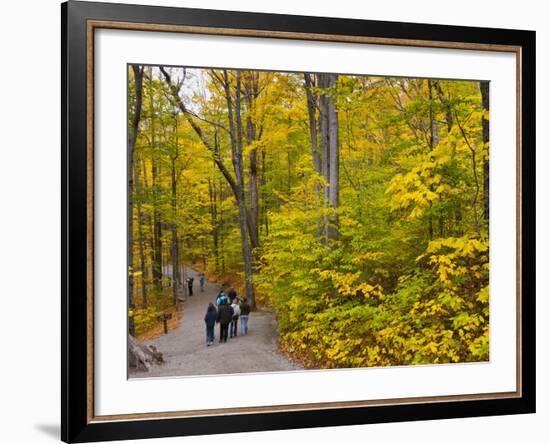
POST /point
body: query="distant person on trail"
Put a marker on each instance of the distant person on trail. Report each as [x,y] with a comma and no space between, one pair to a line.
[201,281]
[210,321]
[225,316]
[235,320]
[232,294]
[221,298]
[190,285]
[245,312]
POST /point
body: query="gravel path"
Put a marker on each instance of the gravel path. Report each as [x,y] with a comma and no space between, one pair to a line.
[185,352]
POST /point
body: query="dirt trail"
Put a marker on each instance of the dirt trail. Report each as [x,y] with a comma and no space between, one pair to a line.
[185,352]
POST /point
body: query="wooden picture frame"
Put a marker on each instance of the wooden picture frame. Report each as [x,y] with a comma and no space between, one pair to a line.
[79,22]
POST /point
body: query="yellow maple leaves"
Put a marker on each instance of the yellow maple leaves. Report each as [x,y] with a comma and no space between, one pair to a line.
[347,283]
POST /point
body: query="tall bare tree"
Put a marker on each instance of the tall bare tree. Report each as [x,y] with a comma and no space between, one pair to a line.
[484,88]
[329,143]
[174,250]
[253,134]
[132,137]
[141,234]
[312,114]
[155,174]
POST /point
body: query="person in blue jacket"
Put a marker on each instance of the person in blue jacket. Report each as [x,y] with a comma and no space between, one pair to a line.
[201,281]
[221,298]
[210,321]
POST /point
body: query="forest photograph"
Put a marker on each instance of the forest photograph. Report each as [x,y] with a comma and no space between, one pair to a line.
[282,221]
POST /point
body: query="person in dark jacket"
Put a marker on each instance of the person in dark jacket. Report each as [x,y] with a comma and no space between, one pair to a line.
[210,321]
[232,295]
[190,285]
[225,316]
[245,312]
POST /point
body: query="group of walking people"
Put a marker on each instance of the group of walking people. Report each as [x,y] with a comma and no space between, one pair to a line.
[227,311]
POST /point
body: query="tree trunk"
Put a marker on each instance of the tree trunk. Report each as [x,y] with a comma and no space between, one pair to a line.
[235,126]
[150,227]
[263,183]
[334,158]
[311,109]
[156,263]
[322,82]
[132,137]
[157,229]
[432,142]
[254,199]
[174,247]
[221,195]
[214,221]
[251,89]
[141,237]
[477,186]
[484,87]
[330,151]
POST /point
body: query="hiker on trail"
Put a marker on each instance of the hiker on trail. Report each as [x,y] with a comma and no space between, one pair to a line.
[245,312]
[235,320]
[221,298]
[210,321]
[225,315]
[232,294]
[201,281]
[190,285]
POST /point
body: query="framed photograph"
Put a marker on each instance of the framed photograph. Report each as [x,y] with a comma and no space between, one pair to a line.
[276,221]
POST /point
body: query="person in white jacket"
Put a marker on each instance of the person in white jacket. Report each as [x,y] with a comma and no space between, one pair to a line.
[235,320]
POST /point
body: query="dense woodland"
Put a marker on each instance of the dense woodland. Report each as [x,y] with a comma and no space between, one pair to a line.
[356,207]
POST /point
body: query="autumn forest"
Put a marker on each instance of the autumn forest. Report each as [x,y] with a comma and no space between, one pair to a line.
[353,207]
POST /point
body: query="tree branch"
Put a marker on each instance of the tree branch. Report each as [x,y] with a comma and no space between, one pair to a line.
[199,132]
